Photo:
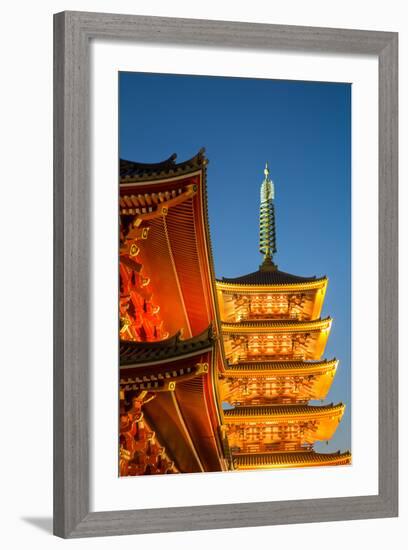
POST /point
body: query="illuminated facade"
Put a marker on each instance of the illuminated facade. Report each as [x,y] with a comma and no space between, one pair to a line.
[189,343]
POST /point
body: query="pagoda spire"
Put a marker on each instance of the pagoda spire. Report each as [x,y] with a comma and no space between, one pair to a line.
[267,232]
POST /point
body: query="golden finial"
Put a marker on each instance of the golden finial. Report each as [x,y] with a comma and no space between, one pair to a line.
[266,170]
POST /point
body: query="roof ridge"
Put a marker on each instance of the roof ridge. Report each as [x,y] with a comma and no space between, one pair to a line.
[130,170]
[269,277]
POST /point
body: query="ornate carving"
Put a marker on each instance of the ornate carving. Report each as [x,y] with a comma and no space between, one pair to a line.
[139,316]
[140,452]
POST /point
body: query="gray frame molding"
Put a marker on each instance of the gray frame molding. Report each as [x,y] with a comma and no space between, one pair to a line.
[72,33]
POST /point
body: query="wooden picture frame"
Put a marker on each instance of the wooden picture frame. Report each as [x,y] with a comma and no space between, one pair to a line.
[72,34]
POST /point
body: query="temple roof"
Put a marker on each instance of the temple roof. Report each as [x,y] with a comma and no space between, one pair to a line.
[283,410]
[130,171]
[282,459]
[269,277]
[277,325]
[281,365]
[140,352]
[160,376]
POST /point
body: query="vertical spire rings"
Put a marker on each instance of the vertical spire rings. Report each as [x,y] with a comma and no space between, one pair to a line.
[267,230]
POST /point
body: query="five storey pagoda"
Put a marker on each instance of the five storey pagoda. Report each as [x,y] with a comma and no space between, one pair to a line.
[274,339]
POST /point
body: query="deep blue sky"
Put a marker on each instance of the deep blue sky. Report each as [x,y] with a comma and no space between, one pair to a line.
[303,129]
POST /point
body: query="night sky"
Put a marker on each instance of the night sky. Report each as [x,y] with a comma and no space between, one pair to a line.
[303,130]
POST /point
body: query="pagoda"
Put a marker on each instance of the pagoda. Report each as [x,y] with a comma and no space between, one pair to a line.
[274,340]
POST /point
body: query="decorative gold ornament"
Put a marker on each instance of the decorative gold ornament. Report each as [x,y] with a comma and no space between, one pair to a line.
[134,250]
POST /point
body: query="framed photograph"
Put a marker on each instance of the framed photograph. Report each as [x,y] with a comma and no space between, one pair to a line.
[225,280]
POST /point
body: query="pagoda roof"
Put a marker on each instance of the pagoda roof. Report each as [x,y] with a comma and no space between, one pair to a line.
[248,461]
[283,411]
[276,325]
[260,366]
[142,352]
[270,277]
[131,171]
[161,376]
[176,253]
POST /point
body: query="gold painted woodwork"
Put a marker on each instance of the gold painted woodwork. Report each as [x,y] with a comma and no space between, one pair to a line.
[286,385]
[263,341]
[302,301]
[318,423]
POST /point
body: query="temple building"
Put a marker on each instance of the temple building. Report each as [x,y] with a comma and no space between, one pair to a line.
[215,375]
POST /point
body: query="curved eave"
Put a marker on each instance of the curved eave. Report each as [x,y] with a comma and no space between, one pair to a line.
[150,205]
[139,379]
[134,354]
[266,461]
[154,183]
[268,327]
[283,412]
[136,172]
[276,368]
[264,289]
